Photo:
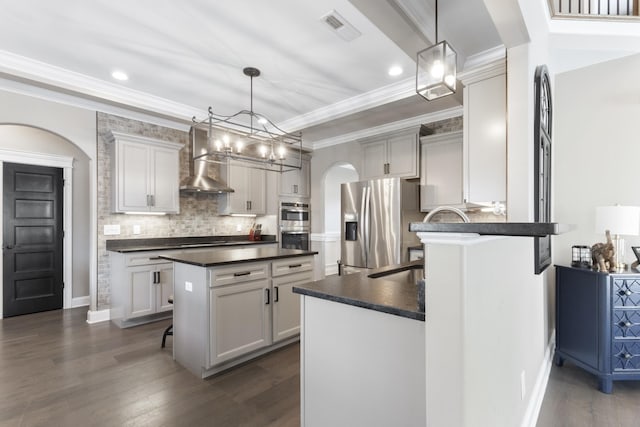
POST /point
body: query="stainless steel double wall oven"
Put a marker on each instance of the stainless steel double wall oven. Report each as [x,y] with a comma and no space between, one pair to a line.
[294,225]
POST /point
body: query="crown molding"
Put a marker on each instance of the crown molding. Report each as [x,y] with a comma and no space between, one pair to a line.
[388,127]
[45,81]
[484,65]
[375,98]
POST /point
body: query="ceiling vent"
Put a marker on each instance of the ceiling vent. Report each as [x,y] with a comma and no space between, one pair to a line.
[341,26]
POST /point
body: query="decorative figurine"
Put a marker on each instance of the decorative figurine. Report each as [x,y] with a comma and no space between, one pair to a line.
[603,254]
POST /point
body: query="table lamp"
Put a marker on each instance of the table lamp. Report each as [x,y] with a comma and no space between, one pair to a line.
[620,221]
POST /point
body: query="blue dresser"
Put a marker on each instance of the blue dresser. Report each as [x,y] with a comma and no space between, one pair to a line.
[598,323]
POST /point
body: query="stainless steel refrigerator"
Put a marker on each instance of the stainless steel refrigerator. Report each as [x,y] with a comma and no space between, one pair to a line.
[375,223]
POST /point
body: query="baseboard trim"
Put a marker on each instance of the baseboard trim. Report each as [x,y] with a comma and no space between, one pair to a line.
[80,301]
[98,316]
[530,418]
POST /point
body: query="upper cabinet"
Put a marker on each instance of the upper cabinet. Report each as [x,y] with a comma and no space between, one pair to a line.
[295,183]
[485,138]
[145,174]
[249,184]
[393,156]
[441,171]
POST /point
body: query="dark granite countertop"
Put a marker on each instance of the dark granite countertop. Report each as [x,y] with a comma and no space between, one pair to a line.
[361,290]
[235,256]
[521,229]
[171,243]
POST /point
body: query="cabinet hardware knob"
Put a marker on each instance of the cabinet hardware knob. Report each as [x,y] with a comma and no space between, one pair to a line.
[624,324]
[627,356]
[295,265]
[266,291]
[244,273]
[276,294]
[627,292]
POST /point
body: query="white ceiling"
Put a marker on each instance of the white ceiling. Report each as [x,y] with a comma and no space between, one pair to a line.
[182,57]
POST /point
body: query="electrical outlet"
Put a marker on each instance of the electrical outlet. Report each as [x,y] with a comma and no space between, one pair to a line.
[188,286]
[238,227]
[523,385]
[136,229]
[111,230]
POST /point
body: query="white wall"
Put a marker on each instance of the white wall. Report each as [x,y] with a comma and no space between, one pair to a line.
[596,148]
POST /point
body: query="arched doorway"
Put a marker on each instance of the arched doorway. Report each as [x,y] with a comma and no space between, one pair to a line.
[337,174]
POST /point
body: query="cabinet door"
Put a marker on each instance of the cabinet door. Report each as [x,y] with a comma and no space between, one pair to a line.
[240,319]
[164,289]
[133,177]
[286,305]
[485,108]
[256,191]
[296,182]
[402,156]
[165,180]
[237,179]
[374,159]
[441,171]
[142,296]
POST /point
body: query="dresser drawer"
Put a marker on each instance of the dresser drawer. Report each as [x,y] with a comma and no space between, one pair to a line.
[625,355]
[625,292]
[625,324]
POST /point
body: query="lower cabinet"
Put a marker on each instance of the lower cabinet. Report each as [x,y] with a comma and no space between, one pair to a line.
[228,314]
[598,323]
[240,319]
[141,285]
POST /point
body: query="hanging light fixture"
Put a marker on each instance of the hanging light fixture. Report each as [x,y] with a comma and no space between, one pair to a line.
[250,138]
[436,68]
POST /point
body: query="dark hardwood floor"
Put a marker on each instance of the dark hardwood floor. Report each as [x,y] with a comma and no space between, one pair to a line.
[56,370]
[572,399]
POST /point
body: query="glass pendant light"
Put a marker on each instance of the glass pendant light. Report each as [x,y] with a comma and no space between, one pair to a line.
[436,68]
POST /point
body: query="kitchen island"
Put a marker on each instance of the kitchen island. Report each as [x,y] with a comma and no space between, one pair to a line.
[363,349]
[231,305]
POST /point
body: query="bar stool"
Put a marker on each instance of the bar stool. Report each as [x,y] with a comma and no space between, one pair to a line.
[169,330]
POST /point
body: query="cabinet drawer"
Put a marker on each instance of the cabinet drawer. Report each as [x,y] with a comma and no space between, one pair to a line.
[239,273]
[292,265]
[145,258]
[625,355]
[625,324]
[626,292]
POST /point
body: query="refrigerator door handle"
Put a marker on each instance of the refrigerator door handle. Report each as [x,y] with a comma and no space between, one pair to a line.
[366,223]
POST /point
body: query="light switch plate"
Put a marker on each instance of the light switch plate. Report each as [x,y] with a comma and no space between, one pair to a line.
[112,229]
[136,229]
[188,286]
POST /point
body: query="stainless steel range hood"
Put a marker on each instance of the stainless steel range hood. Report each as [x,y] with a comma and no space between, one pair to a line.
[198,181]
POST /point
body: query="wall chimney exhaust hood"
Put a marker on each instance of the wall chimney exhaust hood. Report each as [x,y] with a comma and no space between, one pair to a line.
[198,181]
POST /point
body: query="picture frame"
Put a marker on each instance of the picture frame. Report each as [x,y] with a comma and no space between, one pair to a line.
[636,252]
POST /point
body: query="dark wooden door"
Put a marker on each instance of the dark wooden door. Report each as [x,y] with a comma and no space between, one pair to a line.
[32,239]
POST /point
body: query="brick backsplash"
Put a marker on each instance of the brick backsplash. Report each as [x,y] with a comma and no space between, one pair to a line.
[197,211]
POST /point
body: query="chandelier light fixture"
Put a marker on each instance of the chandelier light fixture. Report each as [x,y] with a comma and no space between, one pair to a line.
[436,68]
[250,138]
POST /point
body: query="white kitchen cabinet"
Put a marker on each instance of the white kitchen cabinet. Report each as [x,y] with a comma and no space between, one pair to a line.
[250,188]
[295,183]
[228,314]
[286,305]
[145,174]
[485,141]
[441,176]
[241,319]
[141,284]
[392,156]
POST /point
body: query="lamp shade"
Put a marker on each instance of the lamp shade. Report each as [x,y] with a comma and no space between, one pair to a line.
[621,220]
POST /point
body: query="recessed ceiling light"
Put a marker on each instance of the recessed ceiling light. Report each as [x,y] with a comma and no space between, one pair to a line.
[120,75]
[396,70]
